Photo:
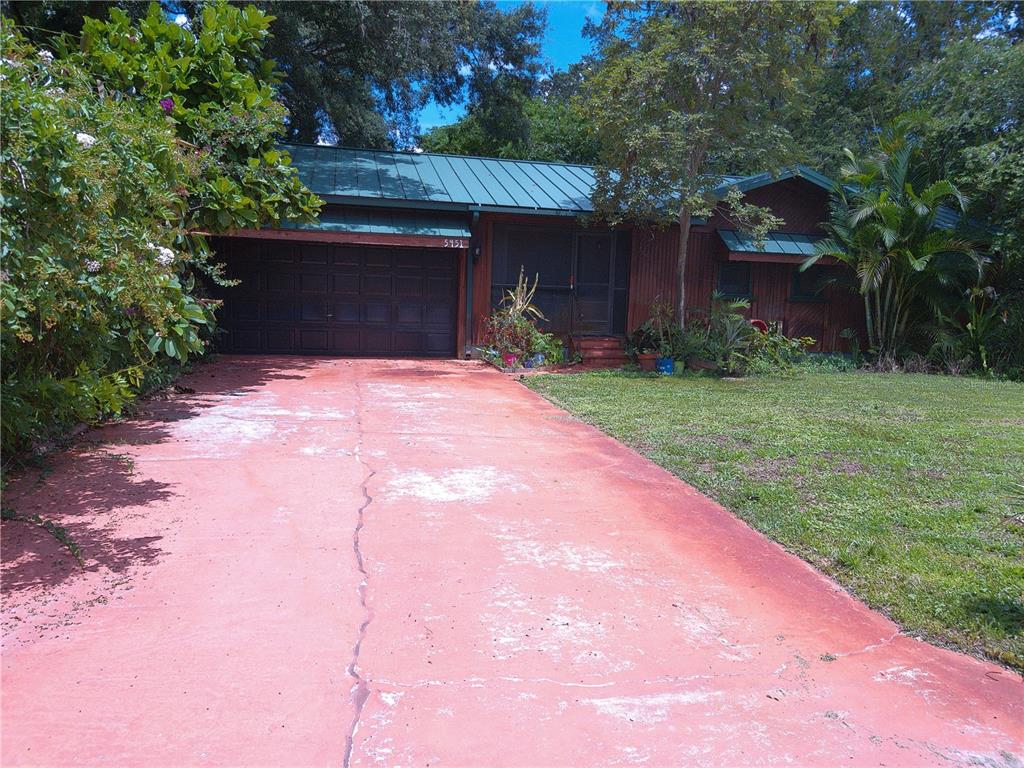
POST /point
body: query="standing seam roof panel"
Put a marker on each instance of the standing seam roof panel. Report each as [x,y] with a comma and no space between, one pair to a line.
[433,183]
[474,186]
[412,183]
[512,189]
[565,179]
[585,175]
[391,182]
[519,171]
[455,185]
[579,198]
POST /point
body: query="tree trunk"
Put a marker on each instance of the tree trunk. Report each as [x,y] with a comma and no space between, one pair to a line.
[684,245]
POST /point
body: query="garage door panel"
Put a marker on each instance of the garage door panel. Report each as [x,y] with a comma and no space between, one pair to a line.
[281,281]
[437,343]
[376,313]
[313,340]
[376,285]
[409,314]
[408,286]
[245,310]
[438,314]
[346,312]
[378,259]
[282,311]
[275,253]
[345,283]
[314,282]
[374,342]
[439,287]
[344,300]
[409,342]
[346,257]
[280,340]
[314,254]
[313,311]
[245,340]
[345,341]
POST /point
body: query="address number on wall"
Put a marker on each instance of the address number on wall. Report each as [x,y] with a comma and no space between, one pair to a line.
[455,243]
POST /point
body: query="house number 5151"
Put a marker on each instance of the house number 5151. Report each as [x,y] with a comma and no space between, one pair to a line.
[455,243]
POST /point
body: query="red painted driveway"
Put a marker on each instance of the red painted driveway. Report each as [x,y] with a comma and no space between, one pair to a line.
[330,562]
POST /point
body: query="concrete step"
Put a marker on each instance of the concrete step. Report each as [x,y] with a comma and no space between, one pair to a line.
[600,343]
[602,353]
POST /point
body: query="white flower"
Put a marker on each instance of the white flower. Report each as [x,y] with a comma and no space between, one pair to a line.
[164,256]
[55,91]
[45,55]
[85,139]
[91,265]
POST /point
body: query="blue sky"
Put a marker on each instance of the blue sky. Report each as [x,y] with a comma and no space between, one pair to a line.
[563,44]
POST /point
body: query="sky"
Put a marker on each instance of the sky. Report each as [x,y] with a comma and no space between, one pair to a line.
[563,45]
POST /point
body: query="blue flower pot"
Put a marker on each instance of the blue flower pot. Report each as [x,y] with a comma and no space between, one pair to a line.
[665,365]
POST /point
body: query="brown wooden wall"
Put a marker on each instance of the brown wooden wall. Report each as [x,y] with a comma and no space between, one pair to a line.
[803,206]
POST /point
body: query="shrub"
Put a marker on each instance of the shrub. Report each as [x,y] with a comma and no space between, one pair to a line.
[772,352]
[512,329]
[116,155]
[92,243]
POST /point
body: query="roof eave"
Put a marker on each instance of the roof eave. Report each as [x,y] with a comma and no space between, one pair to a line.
[441,205]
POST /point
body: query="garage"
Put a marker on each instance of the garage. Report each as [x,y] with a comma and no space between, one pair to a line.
[338,299]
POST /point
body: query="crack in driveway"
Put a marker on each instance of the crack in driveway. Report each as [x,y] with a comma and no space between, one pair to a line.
[360,690]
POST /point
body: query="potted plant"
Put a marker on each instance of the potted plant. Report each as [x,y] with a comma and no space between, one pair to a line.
[511,329]
[668,333]
[642,346]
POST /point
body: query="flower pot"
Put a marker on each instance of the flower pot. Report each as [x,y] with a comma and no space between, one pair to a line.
[646,361]
[665,365]
[702,364]
[509,360]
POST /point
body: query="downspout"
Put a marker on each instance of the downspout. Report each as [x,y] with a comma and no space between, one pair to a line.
[471,257]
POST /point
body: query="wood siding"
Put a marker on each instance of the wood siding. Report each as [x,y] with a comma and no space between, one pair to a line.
[652,275]
[803,206]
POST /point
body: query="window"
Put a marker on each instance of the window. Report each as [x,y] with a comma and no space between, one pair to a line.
[808,285]
[734,279]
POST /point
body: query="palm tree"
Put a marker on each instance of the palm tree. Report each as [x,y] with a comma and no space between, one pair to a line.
[893,237]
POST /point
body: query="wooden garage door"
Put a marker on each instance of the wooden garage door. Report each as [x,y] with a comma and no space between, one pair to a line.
[309,298]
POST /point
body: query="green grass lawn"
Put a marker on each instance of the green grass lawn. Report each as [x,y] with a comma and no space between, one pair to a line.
[897,485]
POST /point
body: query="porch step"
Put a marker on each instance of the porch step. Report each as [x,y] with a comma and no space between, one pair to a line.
[602,351]
[600,342]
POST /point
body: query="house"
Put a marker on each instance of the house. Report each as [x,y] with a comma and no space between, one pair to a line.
[412,251]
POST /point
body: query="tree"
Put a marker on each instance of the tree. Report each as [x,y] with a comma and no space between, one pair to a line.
[876,46]
[357,72]
[682,94]
[555,131]
[885,225]
[972,102]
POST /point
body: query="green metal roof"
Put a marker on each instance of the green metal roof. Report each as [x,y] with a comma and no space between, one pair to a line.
[427,180]
[747,183]
[775,242]
[335,218]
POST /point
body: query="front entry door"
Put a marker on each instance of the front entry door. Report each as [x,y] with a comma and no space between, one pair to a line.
[581,274]
[602,267]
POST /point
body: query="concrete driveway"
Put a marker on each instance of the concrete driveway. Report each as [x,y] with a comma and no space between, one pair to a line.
[340,562]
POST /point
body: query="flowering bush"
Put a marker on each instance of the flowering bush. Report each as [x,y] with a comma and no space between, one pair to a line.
[91,227]
[116,156]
